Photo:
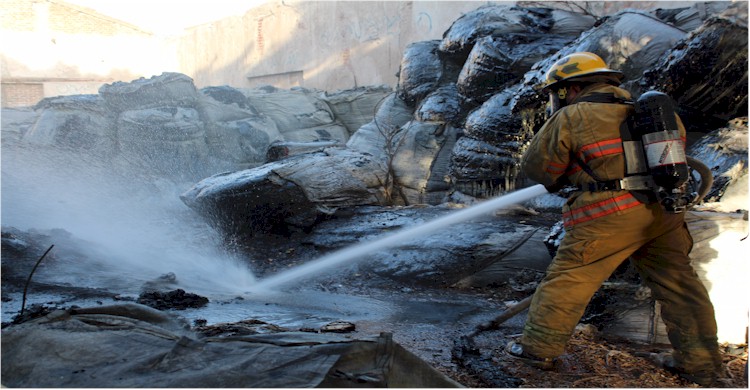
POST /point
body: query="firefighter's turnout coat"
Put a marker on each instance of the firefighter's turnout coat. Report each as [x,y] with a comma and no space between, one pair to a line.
[604,228]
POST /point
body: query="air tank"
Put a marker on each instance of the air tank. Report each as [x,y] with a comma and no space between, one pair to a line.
[664,147]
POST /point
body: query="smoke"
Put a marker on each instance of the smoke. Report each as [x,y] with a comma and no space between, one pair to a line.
[126,224]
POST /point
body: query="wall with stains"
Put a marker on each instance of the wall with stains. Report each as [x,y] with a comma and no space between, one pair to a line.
[53,48]
[328,45]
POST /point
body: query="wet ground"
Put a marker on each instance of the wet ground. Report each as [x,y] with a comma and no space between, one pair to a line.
[428,322]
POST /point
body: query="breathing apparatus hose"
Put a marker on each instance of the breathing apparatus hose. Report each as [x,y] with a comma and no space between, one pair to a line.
[707,178]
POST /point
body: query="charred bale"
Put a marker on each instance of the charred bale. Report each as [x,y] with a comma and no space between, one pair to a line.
[243,143]
[245,203]
[495,136]
[706,74]
[414,165]
[497,62]
[286,195]
[630,41]
[494,20]
[690,18]
[228,95]
[495,121]
[420,71]
[483,169]
[441,106]
[725,152]
[82,123]
[508,24]
[166,89]
[299,114]
[391,114]
[167,140]
[356,107]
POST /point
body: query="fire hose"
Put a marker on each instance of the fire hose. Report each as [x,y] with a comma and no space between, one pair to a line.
[707,178]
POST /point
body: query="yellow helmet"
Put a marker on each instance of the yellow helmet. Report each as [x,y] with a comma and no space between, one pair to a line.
[579,66]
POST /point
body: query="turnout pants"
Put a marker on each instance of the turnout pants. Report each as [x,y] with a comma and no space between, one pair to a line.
[658,244]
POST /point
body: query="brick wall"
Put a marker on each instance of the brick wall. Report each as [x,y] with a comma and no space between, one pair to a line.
[73,19]
[22,83]
[19,94]
[58,16]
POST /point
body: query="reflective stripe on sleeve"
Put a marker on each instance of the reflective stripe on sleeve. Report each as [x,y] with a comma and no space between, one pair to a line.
[555,169]
[600,149]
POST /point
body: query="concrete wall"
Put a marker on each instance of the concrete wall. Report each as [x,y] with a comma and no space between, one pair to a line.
[52,48]
[328,45]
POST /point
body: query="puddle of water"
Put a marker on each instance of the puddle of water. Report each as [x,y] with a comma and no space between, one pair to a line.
[309,309]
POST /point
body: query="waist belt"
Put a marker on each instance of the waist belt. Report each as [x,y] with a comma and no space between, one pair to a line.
[630,183]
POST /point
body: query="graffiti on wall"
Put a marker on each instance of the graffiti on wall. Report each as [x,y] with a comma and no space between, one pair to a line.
[424,22]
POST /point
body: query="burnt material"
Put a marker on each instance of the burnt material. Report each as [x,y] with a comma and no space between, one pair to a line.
[420,71]
[706,74]
[176,299]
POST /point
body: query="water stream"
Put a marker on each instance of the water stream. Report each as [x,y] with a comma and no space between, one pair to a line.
[121,227]
[357,252]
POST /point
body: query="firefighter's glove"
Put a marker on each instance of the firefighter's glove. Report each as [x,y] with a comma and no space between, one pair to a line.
[558,185]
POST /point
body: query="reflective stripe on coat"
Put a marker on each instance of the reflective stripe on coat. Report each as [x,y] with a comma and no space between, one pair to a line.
[589,132]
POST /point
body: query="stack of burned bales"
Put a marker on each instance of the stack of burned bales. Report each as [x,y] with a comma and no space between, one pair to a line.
[466,106]
[153,124]
[480,82]
[168,128]
[404,154]
[485,160]
[461,115]
[441,81]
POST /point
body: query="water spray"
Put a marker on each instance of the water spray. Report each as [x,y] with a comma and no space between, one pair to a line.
[114,224]
[356,252]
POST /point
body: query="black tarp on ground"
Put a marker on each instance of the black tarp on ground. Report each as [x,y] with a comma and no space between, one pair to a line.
[134,346]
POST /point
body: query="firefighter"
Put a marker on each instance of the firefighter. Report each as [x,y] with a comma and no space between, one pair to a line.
[580,145]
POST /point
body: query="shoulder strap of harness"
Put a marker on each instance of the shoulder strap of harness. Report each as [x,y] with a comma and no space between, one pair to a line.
[610,98]
[635,169]
[604,97]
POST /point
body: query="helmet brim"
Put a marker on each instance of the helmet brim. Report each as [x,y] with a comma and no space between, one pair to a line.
[615,75]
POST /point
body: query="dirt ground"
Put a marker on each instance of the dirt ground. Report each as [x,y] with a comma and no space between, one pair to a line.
[590,361]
